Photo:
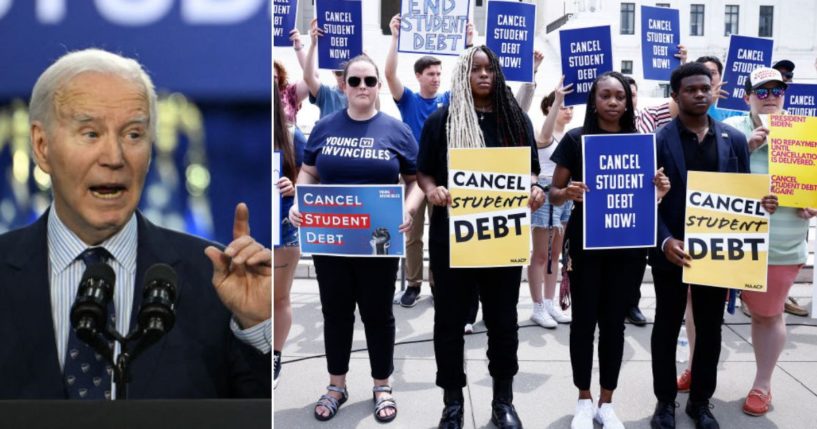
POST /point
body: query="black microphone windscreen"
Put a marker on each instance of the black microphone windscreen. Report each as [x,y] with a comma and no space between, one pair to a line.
[163,273]
[100,271]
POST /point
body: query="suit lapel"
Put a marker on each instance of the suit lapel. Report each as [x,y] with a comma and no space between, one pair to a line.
[723,147]
[677,150]
[30,294]
[152,249]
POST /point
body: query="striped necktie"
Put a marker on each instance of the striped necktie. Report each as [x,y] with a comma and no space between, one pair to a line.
[87,374]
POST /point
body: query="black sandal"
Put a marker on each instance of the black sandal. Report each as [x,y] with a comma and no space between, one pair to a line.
[383,403]
[330,402]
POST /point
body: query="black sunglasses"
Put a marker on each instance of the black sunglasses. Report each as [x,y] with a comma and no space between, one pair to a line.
[788,75]
[354,81]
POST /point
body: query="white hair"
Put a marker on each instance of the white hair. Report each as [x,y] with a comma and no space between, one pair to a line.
[72,64]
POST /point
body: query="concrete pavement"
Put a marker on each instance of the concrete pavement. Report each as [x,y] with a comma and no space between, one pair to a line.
[544,393]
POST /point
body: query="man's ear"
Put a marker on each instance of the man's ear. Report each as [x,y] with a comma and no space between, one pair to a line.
[39,145]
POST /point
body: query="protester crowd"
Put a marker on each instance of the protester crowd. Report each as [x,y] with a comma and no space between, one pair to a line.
[479,110]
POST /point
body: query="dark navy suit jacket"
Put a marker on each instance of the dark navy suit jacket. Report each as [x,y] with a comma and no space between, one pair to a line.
[198,358]
[733,157]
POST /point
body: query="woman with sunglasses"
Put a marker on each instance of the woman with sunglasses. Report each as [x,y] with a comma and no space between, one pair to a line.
[765,91]
[358,145]
[601,281]
[482,113]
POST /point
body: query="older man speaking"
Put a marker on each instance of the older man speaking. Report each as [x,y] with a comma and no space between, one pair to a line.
[93,121]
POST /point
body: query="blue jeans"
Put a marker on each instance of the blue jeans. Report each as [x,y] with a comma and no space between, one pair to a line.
[548,215]
[289,234]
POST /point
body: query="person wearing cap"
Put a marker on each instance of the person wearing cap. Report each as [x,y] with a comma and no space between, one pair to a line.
[765,92]
[786,69]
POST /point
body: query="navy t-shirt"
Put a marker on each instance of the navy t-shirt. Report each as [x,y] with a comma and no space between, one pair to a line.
[415,109]
[350,152]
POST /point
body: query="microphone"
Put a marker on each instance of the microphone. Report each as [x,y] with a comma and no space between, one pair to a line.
[158,313]
[89,313]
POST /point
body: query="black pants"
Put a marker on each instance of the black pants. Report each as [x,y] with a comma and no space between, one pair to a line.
[369,284]
[707,310]
[636,296]
[498,289]
[601,285]
[473,307]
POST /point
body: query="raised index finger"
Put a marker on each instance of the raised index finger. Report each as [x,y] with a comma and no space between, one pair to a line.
[241,223]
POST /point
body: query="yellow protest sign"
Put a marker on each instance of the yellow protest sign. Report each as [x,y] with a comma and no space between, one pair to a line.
[726,230]
[793,159]
[489,219]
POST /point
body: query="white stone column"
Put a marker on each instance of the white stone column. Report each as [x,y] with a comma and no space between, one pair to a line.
[372,34]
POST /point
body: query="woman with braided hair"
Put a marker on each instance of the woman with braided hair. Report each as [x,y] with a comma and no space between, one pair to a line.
[482,113]
[601,281]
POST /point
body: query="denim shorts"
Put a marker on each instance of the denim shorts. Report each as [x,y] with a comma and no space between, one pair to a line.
[289,234]
[541,218]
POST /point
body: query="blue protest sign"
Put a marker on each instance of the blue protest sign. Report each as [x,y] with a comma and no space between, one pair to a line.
[342,25]
[660,36]
[745,54]
[277,169]
[359,220]
[509,33]
[619,208]
[283,12]
[801,99]
[586,54]
[433,27]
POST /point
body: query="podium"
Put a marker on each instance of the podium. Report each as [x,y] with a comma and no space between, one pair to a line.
[198,413]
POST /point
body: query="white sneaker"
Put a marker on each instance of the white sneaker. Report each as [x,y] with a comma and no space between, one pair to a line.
[555,312]
[469,329]
[541,317]
[606,416]
[583,418]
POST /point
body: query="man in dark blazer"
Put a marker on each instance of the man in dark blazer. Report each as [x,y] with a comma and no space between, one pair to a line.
[692,141]
[93,121]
